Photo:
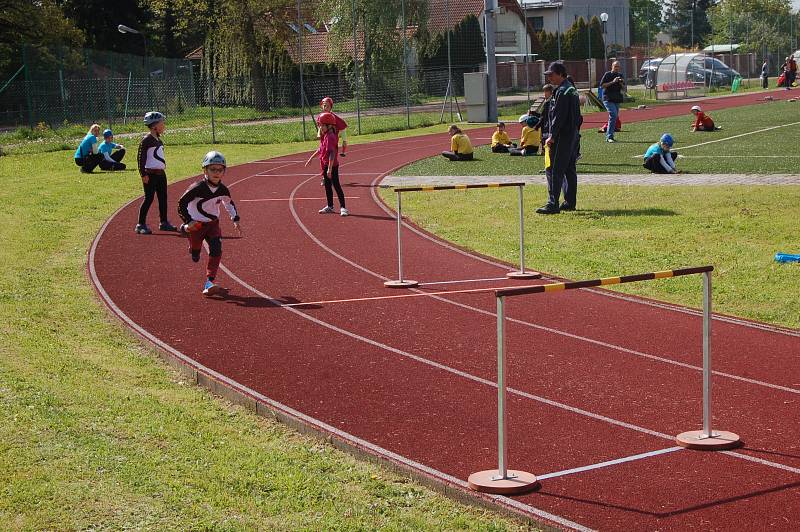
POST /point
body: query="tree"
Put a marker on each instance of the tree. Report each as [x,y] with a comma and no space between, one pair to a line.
[756,25]
[576,44]
[99,19]
[678,20]
[596,35]
[645,19]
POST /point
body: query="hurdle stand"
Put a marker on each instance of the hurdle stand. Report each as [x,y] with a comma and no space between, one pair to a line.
[505,481]
[400,282]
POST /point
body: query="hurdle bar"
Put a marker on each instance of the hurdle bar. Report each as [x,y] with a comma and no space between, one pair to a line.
[409,283]
[505,481]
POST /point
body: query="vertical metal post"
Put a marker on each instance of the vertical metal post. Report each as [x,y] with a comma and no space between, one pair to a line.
[502,455]
[558,25]
[399,230]
[448,92]
[127,99]
[211,101]
[521,232]
[28,85]
[589,34]
[707,354]
[491,60]
[355,66]
[405,63]
[300,50]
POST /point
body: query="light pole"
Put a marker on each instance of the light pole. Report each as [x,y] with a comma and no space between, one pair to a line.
[604,19]
[122,28]
[693,2]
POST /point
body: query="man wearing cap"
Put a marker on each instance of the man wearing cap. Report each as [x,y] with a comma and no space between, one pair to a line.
[564,123]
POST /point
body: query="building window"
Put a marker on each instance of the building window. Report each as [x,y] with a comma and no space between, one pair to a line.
[537,23]
[505,38]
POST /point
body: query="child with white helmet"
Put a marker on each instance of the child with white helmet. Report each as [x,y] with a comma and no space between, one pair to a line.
[659,158]
[152,169]
[702,122]
[199,210]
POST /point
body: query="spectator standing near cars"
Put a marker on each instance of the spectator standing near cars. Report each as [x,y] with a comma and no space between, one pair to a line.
[612,84]
[765,74]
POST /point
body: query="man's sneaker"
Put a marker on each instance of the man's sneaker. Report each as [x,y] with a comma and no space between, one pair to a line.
[142,229]
[610,140]
[344,212]
[566,207]
[211,289]
[326,210]
[166,226]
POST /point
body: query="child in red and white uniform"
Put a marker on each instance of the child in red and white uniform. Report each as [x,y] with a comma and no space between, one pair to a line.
[702,122]
[328,152]
[326,104]
[199,210]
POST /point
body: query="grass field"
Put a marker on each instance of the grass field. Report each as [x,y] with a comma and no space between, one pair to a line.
[634,229]
[97,433]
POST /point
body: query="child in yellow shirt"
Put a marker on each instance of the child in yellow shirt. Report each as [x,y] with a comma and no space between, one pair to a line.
[501,142]
[460,145]
[529,139]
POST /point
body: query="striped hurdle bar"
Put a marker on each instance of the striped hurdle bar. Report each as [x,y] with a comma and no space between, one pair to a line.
[505,481]
[409,283]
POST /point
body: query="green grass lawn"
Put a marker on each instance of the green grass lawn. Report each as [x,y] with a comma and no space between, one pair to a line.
[97,433]
[635,229]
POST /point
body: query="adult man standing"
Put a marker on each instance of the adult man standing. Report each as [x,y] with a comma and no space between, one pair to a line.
[612,83]
[564,122]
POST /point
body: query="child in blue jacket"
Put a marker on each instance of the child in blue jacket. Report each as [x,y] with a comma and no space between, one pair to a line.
[659,158]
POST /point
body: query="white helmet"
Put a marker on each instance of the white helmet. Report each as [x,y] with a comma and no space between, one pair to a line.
[696,108]
[214,157]
[153,117]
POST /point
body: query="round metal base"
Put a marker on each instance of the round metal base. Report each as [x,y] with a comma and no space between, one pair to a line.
[405,283]
[524,275]
[719,440]
[518,482]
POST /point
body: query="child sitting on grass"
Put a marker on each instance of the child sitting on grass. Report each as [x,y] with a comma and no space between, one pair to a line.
[659,159]
[702,122]
[501,142]
[460,145]
[529,139]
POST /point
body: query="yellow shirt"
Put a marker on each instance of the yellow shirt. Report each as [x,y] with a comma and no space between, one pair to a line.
[500,137]
[460,144]
[530,137]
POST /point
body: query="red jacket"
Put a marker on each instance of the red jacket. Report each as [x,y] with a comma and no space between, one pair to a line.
[704,120]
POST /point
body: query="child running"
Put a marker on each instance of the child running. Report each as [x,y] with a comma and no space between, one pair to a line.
[659,159]
[501,142]
[529,139]
[460,145]
[328,152]
[702,122]
[199,210]
[152,169]
[112,160]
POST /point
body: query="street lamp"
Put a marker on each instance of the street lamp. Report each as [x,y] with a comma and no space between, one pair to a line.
[122,28]
[604,19]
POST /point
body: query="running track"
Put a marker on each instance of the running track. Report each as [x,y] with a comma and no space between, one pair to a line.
[596,379]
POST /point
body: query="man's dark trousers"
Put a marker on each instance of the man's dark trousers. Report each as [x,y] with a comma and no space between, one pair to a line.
[563,172]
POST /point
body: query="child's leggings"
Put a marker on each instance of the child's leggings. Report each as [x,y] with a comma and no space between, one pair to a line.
[211,233]
[332,182]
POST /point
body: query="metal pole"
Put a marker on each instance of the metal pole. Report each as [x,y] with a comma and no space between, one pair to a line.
[449,62]
[300,50]
[589,33]
[558,25]
[127,98]
[521,232]
[405,63]
[355,66]
[491,66]
[399,247]
[707,354]
[502,456]
[211,101]
[527,63]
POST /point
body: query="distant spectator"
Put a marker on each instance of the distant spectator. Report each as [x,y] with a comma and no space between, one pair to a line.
[501,142]
[112,160]
[460,145]
[87,155]
[612,84]
[659,158]
[765,74]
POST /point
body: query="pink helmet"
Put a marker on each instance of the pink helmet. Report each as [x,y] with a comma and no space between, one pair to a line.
[326,118]
[328,100]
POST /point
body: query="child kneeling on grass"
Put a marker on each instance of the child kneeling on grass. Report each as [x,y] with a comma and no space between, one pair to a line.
[199,210]
[702,122]
[501,142]
[529,139]
[460,145]
[659,159]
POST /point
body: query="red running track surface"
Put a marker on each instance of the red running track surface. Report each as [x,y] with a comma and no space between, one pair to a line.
[594,376]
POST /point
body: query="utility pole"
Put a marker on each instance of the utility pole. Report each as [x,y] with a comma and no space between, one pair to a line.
[491,64]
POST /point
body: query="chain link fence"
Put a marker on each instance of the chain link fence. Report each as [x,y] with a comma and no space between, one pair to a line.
[382,78]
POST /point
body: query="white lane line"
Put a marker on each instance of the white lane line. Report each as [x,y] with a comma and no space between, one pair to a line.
[268,174]
[761,461]
[681,156]
[465,281]
[608,463]
[287,199]
[275,161]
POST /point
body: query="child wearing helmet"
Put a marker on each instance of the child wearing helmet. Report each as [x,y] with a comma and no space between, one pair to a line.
[152,169]
[111,160]
[199,210]
[328,153]
[659,158]
[702,122]
[460,145]
[326,104]
[530,138]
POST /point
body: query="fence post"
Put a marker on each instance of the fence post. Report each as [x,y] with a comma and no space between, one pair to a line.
[355,66]
[211,102]
[405,63]
[300,50]
[28,87]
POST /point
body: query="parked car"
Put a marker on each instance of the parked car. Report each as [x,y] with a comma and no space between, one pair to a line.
[647,74]
[711,71]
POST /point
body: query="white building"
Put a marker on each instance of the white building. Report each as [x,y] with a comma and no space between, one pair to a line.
[558,15]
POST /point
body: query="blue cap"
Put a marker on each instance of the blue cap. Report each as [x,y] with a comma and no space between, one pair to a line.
[107,133]
[667,139]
